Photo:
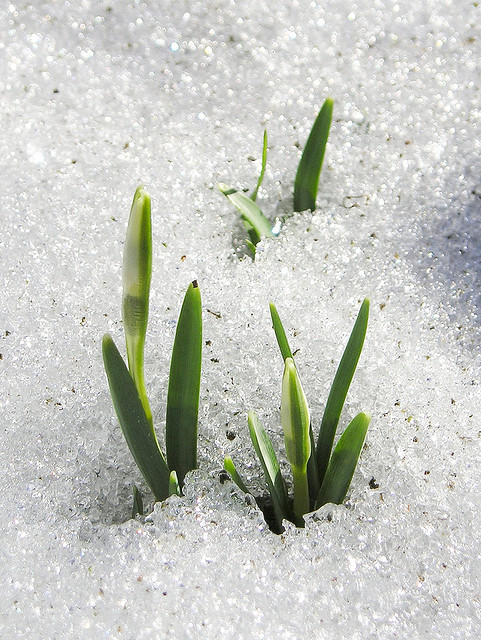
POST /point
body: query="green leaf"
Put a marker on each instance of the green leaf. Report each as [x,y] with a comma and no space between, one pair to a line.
[230,467]
[270,466]
[136,276]
[174,489]
[263,169]
[312,473]
[184,386]
[136,428]
[138,504]
[339,389]
[295,417]
[310,165]
[250,212]
[254,237]
[295,424]
[280,333]
[252,247]
[343,462]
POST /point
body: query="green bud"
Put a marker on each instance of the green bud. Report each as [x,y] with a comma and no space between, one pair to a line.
[136,275]
[295,417]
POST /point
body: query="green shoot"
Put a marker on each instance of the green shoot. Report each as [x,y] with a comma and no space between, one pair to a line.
[286,352]
[127,386]
[184,387]
[263,168]
[343,462]
[174,488]
[305,185]
[137,502]
[136,275]
[310,165]
[295,424]
[312,472]
[230,467]
[311,489]
[255,222]
[280,333]
[267,457]
[137,429]
[339,389]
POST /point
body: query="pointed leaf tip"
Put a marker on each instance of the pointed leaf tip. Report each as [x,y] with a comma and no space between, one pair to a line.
[307,177]
[184,386]
[340,386]
[280,333]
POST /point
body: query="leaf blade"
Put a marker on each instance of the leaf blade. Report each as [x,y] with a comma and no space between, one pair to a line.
[135,426]
[270,466]
[263,167]
[295,421]
[339,389]
[136,277]
[286,352]
[249,210]
[230,467]
[280,333]
[343,462]
[137,502]
[174,489]
[184,386]
[312,473]
[309,169]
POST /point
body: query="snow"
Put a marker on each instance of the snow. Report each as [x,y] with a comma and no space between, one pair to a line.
[97,97]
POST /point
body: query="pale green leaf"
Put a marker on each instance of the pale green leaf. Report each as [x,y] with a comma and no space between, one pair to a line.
[136,276]
[263,168]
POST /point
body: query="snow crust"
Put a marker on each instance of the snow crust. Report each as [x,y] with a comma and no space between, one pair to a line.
[97,97]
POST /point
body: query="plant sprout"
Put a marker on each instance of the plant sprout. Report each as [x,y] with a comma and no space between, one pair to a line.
[127,386]
[305,185]
[295,422]
[310,165]
[320,474]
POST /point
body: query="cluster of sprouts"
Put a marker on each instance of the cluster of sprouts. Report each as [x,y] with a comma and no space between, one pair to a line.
[321,473]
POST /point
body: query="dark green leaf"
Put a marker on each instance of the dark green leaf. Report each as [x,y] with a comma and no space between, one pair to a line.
[138,504]
[310,165]
[280,333]
[184,387]
[135,426]
[312,474]
[270,466]
[343,462]
[339,389]
[230,467]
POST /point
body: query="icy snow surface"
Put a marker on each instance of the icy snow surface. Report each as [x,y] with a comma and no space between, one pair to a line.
[97,97]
